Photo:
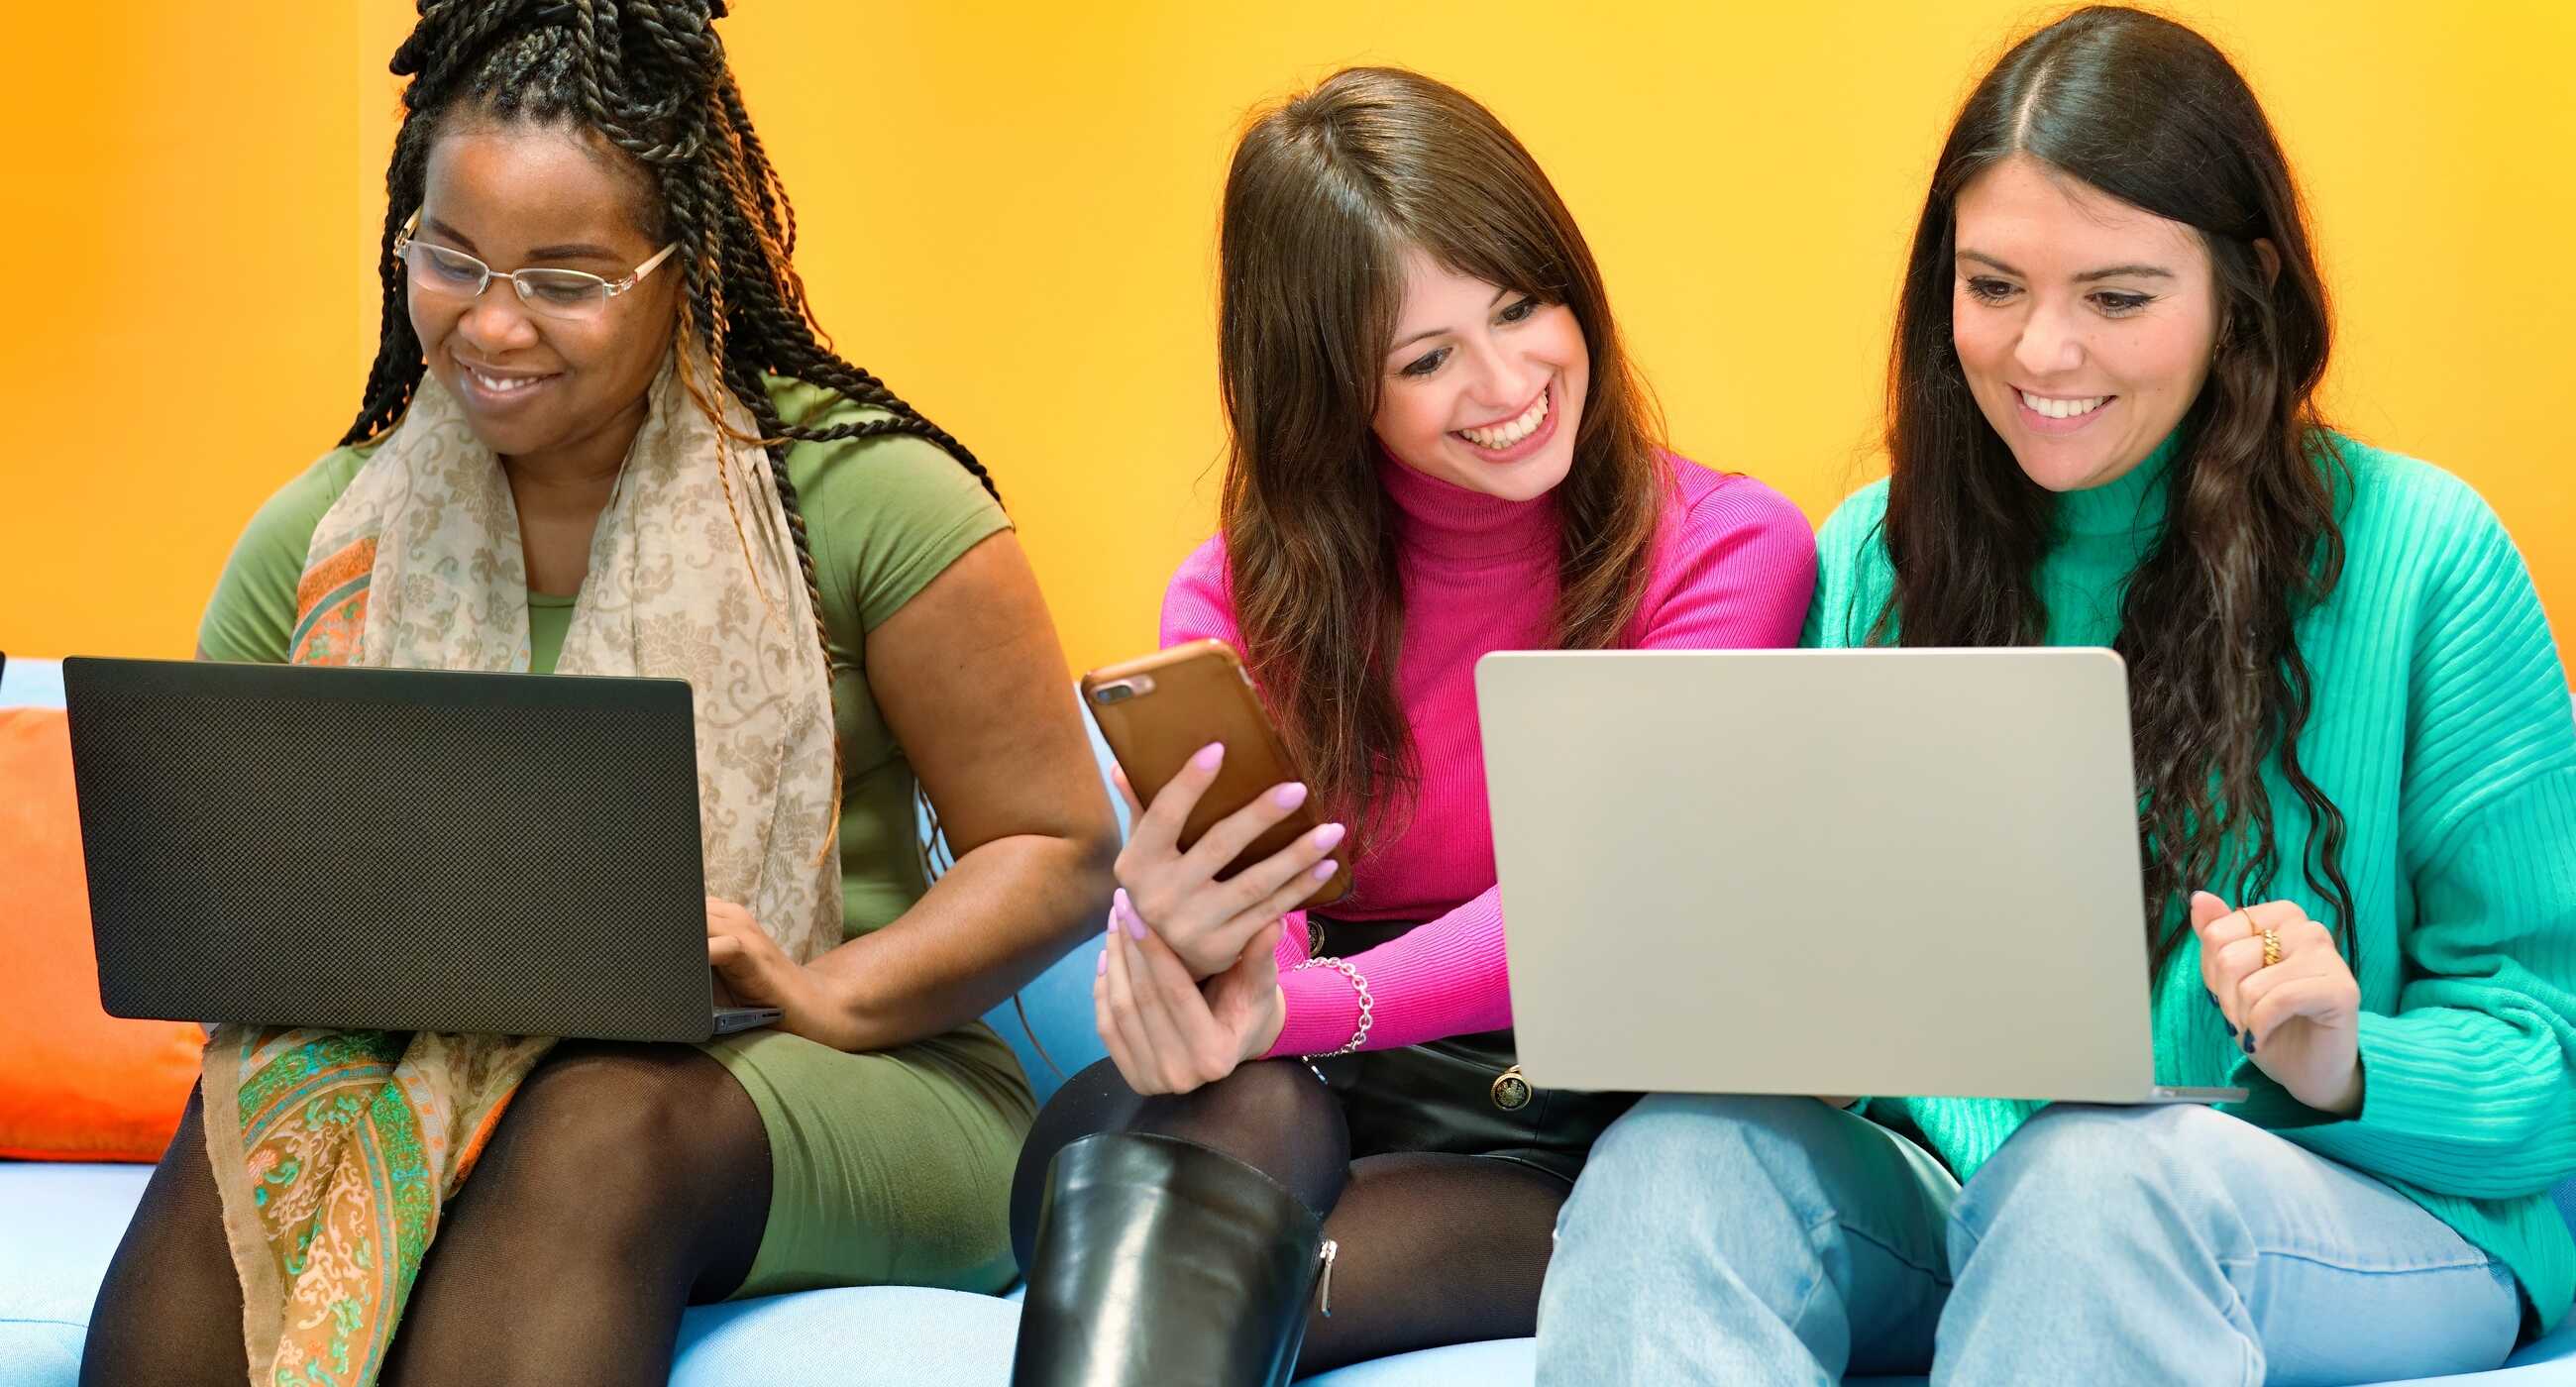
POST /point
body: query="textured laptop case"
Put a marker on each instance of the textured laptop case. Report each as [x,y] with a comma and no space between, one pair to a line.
[392,849]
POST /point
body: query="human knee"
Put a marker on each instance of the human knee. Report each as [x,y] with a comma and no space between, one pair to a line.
[1264,1096]
[2107,1178]
[1675,1156]
[600,1140]
[169,1305]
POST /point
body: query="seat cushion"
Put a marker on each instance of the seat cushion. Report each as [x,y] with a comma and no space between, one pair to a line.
[878,1336]
[63,1222]
[2549,1362]
[31,684]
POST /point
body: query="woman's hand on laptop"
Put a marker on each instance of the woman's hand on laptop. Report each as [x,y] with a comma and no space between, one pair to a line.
[752,971]
[1207,922]
[2300,1017]
[1166,1032]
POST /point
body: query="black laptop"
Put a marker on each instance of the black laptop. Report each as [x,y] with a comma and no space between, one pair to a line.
[387,849]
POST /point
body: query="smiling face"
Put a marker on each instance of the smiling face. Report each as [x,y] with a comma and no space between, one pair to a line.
[2084,324]
[1483,386]
[520,196]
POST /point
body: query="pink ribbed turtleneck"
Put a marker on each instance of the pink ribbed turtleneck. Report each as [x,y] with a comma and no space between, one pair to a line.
[1732,567]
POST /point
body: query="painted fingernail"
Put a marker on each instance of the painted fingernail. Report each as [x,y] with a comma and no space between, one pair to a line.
[1209,757]
[1135,924]
[2246,1039]
[1289,796]
[1324,870]
[1101,964]
[1329,835]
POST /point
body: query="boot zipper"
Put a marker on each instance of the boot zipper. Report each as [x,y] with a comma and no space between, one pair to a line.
[1327,1252]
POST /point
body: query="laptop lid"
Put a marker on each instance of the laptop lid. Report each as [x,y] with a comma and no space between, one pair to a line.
[393,849]
[1840,872]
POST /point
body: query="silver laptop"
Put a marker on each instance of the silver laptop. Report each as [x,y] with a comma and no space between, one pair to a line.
[1833,872]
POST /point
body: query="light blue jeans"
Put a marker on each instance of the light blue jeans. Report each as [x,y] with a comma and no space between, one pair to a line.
[1777,1240]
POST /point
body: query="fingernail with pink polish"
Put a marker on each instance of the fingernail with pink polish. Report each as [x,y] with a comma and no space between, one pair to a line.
[1102,963]
[1329,835]
[1209,757]
[1324,870]
[1289,796]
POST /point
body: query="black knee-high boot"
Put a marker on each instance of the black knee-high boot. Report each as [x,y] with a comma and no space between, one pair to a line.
[1161,1261]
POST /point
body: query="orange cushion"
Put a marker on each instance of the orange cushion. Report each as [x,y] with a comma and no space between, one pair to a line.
[75,1083]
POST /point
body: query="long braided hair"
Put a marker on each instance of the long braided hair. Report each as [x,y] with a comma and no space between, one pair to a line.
[2153,114]
[650,77]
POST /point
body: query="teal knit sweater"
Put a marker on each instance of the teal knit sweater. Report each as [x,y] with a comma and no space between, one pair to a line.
[2442,729]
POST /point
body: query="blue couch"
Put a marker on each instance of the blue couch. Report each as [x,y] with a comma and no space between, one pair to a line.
[59,1223]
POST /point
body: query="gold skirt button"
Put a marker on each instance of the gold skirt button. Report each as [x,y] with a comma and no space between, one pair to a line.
[1511,1092]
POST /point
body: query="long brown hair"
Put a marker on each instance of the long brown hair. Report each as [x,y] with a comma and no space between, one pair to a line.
[2150,113]
[1326,193]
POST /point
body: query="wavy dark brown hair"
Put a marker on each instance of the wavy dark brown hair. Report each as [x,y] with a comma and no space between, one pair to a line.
[1327,192]
[2153,114]
[650,78]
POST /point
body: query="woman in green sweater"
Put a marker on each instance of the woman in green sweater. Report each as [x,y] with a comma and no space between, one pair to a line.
[2357,775]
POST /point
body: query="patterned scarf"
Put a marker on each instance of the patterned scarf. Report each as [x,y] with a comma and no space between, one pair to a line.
[336,1150]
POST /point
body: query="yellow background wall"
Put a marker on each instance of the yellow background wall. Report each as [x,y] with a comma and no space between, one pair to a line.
[1008,211]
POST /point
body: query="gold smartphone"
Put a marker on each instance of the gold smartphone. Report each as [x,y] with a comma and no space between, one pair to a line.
[1158,711]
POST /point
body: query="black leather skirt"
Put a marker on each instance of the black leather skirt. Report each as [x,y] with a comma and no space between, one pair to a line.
[1457,1096]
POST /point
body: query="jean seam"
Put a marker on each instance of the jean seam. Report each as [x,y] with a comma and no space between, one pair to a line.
[1940,1274]
[1815,1225]
[1957,1223]
[2474,1262]
[2239,1311]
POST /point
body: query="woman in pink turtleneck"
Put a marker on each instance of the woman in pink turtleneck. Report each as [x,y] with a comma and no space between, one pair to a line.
[1308,1145]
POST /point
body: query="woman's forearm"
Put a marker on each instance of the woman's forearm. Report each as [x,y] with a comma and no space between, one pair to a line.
[998,917]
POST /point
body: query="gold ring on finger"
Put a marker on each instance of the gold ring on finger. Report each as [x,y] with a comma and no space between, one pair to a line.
[2271,947]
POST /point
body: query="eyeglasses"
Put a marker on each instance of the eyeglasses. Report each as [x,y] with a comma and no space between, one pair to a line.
[570,295]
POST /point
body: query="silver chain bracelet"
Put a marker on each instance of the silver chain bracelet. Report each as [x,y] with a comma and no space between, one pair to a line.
[1367,1005]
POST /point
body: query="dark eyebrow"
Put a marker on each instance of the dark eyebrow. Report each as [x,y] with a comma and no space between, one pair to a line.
[2125,272]
[582,250]
[1499,296]
[463,241]
[2088,277]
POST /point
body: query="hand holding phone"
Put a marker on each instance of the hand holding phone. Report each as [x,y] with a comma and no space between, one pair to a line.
[1224,842]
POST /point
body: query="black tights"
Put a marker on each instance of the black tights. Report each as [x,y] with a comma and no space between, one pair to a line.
[1435,1248]
[623,1183]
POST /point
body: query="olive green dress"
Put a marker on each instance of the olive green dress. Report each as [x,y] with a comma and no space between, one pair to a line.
[887,1168]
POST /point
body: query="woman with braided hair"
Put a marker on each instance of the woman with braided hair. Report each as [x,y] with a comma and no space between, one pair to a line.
[636,457]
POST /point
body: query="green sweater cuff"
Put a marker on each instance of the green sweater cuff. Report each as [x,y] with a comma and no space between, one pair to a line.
[2453,1101]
